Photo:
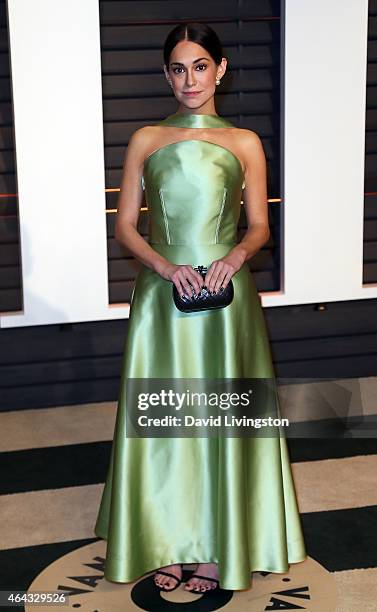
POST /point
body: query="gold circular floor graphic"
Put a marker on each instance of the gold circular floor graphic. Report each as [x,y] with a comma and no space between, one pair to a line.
[307,586]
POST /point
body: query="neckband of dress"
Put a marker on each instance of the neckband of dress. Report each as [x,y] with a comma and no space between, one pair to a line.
[196,121]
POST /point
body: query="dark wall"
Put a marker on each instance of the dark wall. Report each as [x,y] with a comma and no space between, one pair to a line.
[370,201]
[135,93]
[64,364]
[10,272]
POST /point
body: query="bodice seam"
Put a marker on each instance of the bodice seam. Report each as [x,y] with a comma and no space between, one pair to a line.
[165,214]
[220,215]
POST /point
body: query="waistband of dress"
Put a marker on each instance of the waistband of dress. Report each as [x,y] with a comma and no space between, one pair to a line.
[192,244]
[193,254]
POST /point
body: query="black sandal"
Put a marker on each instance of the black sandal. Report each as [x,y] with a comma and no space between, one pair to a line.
[179,580]
[204,578]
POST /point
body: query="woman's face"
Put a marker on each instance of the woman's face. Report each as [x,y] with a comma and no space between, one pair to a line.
[193,73]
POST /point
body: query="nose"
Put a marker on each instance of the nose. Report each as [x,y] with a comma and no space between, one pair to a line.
[190,79]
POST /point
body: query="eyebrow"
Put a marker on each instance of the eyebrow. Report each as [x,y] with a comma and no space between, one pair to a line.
[194,62]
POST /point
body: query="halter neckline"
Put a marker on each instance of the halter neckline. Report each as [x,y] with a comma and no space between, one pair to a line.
[196,121]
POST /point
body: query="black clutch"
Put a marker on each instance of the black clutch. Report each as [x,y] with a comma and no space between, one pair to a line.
[204,301]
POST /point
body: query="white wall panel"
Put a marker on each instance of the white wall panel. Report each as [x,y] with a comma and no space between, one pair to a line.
[56,80]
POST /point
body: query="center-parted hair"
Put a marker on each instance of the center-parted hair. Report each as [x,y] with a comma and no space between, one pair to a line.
[199,33]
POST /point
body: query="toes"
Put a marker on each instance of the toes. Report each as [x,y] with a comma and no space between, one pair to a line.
[191,585]
[205,585]
[198,586]
[161,581]
[166,582]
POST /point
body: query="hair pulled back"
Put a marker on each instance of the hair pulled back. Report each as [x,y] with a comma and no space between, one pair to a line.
[199,33]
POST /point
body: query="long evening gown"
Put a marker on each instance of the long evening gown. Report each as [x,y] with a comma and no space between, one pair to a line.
[230,501]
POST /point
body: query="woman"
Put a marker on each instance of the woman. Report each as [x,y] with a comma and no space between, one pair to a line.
[227,504]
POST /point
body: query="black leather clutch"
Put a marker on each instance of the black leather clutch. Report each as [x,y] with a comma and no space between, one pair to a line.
[205,300]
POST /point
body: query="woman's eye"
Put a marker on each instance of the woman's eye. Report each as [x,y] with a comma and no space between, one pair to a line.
[177,70]
[202,66]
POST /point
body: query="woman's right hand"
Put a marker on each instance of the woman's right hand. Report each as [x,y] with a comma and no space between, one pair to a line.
[181,275]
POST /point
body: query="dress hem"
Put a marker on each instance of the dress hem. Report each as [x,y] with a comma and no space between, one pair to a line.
[164,563]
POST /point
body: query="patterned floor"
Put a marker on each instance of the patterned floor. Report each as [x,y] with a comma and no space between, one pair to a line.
[52,469]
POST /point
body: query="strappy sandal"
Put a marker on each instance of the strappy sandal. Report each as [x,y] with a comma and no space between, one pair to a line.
[179,580]
[204,578]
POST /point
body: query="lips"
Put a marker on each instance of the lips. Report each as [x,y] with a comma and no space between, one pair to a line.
[191,93]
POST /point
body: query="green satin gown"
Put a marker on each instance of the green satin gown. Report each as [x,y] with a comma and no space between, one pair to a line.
[230,501]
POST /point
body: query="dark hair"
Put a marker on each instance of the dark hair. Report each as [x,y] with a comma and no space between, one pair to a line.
[199,33]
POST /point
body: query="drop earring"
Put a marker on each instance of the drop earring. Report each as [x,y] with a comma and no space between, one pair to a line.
[218,81]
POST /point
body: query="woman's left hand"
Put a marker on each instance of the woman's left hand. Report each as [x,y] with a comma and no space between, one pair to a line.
[221,271]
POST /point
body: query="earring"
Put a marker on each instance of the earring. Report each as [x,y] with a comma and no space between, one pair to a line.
[170,83]
[218,81]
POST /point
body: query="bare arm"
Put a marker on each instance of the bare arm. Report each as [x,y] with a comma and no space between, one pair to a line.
[129,202]
[255,198]
[256,206]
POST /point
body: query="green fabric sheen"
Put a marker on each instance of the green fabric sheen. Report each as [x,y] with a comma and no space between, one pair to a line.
[230,501]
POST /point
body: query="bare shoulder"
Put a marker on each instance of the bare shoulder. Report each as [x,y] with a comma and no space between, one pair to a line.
[251,148]
[247,139]
[143,140]
[143,136]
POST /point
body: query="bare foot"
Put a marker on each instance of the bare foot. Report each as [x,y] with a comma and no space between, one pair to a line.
[167,582]
[200,584]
